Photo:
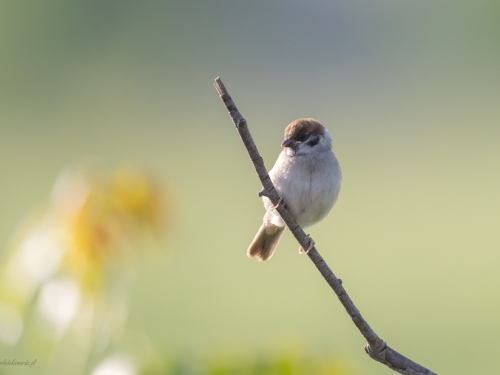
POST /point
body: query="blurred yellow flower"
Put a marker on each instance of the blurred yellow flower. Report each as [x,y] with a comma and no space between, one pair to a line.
[95,220]
[116,211]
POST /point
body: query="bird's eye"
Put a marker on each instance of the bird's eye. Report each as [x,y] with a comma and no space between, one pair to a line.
[302,137]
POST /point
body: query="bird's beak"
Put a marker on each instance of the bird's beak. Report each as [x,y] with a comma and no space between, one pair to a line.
[289,143]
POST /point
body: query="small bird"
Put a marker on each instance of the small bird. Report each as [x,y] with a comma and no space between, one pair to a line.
[307,177]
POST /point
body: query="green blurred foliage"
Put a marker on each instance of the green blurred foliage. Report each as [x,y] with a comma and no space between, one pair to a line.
[409,91]
[284,363]
[278,364]
[275,366]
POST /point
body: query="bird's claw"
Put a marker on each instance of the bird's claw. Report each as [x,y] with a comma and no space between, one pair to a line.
[279,203]
[309,247]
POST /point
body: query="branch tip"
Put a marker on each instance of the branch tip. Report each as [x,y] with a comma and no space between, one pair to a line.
[221,89]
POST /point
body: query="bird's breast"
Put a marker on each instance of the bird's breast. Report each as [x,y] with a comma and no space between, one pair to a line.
[309,187]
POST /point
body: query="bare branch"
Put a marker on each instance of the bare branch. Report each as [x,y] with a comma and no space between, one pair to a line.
[375,347]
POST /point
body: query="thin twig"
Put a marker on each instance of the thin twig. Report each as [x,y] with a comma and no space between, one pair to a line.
[375,347]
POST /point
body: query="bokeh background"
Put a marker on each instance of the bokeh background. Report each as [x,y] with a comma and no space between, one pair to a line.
[410,91]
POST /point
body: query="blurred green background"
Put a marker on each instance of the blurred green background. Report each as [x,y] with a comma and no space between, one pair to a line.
[410,92]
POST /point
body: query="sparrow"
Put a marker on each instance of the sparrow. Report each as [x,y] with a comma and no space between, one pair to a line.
[307,177]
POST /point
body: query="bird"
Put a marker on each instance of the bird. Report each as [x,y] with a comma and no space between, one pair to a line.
[307,177]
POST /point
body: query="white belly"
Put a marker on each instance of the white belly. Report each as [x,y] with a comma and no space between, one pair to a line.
[308,187]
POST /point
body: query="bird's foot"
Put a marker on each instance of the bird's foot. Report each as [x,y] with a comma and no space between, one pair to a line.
[265,193]
[309,247]
[279,203]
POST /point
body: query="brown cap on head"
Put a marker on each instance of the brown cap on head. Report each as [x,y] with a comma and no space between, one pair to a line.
[304,126]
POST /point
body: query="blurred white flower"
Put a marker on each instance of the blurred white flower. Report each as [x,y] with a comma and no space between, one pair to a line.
[11,324]
[38,258]
[59,301]
[116,365]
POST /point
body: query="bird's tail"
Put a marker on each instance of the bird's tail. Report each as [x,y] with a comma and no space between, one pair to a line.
[265,241]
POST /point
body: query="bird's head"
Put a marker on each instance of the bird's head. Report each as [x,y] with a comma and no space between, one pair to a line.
[306,135]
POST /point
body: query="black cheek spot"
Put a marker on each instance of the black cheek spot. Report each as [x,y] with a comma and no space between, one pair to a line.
[313,141]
